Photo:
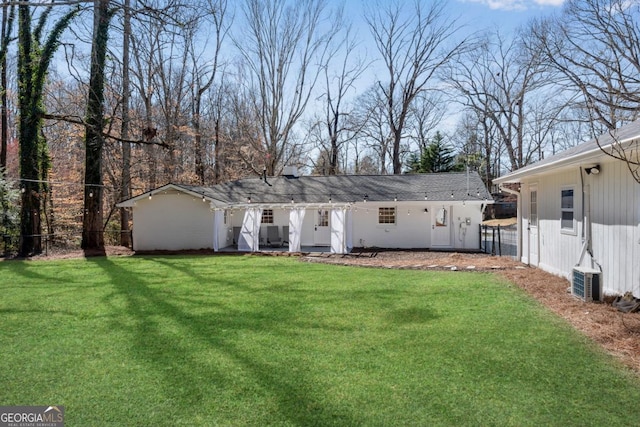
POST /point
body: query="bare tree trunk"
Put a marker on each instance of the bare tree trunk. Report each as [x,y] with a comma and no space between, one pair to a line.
[125,182]
[92,227]
[4,41]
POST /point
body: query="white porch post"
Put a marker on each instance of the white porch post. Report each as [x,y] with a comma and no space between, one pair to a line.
[338,231]
[218,223]
[250,232]
[296,216]
[349,230]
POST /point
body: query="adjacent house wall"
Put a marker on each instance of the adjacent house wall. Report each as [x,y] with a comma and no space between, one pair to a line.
[615,230]
[172,220]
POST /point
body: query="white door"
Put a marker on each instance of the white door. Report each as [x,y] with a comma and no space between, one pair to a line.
[532,226]
[322,231]
[441,227]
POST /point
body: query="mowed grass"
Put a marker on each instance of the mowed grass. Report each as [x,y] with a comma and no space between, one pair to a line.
[239,340]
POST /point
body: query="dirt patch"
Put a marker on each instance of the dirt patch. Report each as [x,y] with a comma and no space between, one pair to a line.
[502,222]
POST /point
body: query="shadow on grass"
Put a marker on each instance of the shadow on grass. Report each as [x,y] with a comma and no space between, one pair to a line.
[187,377]
[412,315]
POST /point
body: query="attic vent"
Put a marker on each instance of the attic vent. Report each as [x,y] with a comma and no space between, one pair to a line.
[585,284]
[290,171]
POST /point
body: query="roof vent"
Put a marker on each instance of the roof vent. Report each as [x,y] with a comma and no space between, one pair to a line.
[290,172]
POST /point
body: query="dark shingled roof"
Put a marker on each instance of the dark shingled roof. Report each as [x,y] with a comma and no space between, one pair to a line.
[349,188]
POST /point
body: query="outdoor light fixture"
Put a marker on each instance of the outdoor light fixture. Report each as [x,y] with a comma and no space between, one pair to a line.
[365,198]
[395,199]
[150,196]
[425,196]
[203,199]
[426,210]
[593,170]
[452,194]
[249,199]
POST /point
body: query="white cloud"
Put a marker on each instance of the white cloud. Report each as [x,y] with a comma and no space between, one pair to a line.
[517,4]
[549,2]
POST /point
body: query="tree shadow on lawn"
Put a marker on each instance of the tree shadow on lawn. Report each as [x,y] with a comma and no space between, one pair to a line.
[189,380]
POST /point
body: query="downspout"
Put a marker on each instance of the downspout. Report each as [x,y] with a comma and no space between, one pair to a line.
[586,223]
[518,218]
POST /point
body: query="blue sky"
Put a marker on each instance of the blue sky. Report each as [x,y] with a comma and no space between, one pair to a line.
[473,15]
[478,14]
[503,14]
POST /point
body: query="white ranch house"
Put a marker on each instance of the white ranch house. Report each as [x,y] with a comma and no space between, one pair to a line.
[581,208]
[327,213]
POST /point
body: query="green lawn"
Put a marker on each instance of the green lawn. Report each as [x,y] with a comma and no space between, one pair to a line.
[238,340]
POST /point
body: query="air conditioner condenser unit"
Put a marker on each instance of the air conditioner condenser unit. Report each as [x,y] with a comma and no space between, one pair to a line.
[586,283]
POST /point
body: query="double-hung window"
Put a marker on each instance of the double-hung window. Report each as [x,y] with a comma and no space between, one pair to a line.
[567,212]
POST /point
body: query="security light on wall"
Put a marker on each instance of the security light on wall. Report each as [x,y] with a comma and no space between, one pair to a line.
[593,170]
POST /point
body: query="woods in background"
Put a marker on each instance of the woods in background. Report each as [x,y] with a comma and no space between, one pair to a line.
[105,99]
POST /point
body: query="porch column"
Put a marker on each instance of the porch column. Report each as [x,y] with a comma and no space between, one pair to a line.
[296,216]
[249,239]
[218,223]
[338,231]
[349,230]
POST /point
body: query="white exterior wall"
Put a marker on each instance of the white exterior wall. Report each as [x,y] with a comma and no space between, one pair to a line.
[615,215]
[172,221]
[615,218]
[411,230]
[466,236]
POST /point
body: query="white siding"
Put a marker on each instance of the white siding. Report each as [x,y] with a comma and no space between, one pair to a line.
[615,200]
[413,226]
[559,250]
[411,230]
[172,221]
[615,218]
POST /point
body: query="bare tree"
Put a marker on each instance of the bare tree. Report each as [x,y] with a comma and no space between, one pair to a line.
[413,45]
[92,224]
[373,121]
[337,84]
[595,45]
[496,80]
[203,77]
[125,177]
[426,113]
[285,48]
[8,16]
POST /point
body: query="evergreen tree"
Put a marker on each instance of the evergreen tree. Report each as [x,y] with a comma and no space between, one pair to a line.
[437,157]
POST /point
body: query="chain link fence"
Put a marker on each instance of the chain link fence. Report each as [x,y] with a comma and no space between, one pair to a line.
[57,242]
